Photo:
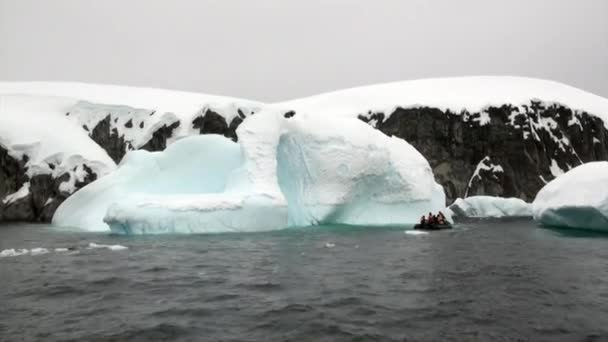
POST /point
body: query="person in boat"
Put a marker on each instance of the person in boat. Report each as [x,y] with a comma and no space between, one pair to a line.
[430,219]
[422,221]
[440,218]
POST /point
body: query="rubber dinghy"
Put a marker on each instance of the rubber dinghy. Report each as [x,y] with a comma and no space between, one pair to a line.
[432,226]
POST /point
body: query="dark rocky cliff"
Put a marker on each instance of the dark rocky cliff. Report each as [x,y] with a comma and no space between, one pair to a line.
[43,195]
[513,154]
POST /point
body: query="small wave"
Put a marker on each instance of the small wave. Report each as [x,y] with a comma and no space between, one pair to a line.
[94,245]
[330,245]
[38,251]
[415,232]
[13,252]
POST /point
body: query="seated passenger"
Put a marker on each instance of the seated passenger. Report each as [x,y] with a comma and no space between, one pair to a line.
[422,221]
[430,219]
[441,218]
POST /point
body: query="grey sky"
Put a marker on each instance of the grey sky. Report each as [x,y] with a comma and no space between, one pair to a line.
[274,50]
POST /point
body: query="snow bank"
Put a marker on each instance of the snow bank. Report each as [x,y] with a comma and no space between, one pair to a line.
[160,100]
[576,199]
[53,145]
[488,206]
[458,93]
[285,171]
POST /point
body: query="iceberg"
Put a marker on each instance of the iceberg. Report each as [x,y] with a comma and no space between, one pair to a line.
[576,199]
[285,171]
[489,206]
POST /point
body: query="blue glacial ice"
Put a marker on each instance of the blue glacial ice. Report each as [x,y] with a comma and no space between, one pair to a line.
[489,206]
[576,199]
[284,172]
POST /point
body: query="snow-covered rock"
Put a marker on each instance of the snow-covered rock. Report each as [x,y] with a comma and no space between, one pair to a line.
[285,171]
[471,94]
[56,137]
[469,127]
[576,199]
[488,206]
[498,136]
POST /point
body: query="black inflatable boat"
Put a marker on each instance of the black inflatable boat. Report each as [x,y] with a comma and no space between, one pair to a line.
[433,226]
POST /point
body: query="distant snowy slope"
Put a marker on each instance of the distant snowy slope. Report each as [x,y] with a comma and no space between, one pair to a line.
[469,93]
[160,100]
[121,118]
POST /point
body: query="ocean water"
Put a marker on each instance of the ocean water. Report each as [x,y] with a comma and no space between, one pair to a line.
[483,281]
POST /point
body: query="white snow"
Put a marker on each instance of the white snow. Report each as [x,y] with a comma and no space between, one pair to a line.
[301,171]
[576,199]
[486,165]
[39,129]
[555,169]
[488,206]
[22,192]
[458,93]
[161,100]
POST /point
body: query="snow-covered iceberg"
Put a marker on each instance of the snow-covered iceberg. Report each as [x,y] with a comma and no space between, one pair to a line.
[488,206]
[285,171]
[576,199]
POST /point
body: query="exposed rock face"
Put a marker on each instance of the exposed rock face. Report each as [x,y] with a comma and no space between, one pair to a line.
[12,172]
[41,193]
[109,138]
[211,122]
[158,142]
[503,151]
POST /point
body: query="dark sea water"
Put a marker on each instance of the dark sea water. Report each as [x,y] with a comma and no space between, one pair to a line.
[484,281]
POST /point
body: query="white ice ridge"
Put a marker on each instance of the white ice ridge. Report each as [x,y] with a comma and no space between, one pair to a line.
[285,172]
[471,93]
[37,128]
[160,100]
[576,199]
[488,206]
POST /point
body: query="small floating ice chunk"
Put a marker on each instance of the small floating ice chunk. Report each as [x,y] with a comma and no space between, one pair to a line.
[13,252]
[330,245]
[94,245]
[38,251]
[415,232]
[59,250]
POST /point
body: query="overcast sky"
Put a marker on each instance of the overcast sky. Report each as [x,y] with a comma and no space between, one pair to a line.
[274,50]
